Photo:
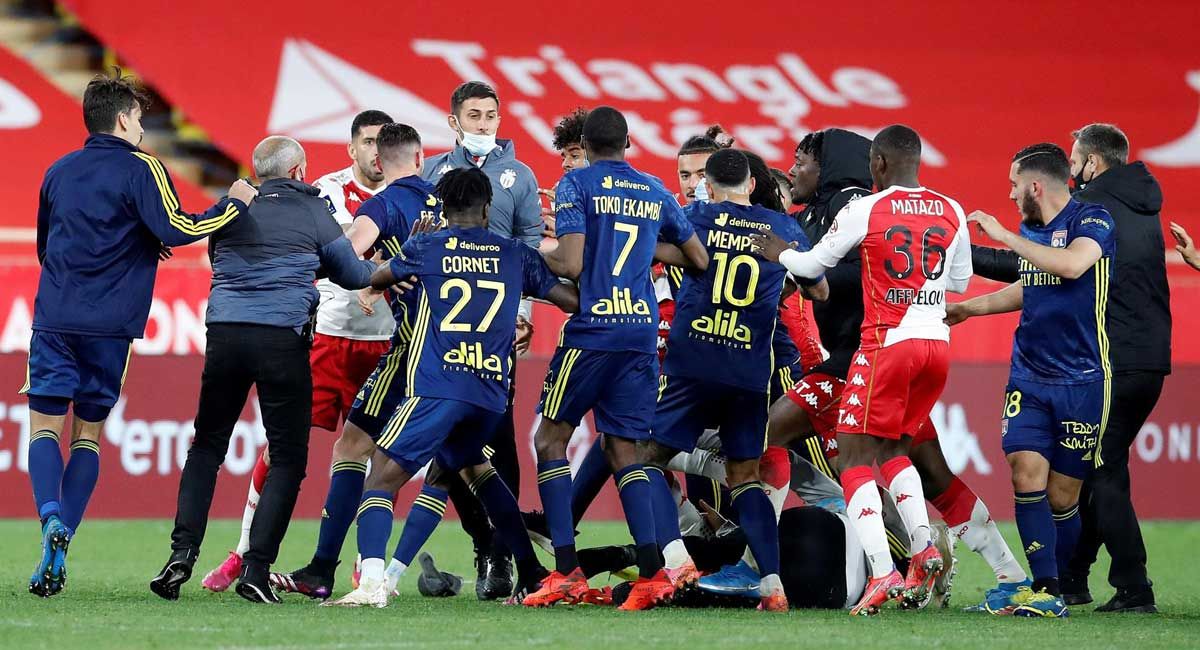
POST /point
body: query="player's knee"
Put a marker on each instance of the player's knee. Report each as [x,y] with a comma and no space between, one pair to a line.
[738,472]
[353,444]
[1063,492]
[550,441]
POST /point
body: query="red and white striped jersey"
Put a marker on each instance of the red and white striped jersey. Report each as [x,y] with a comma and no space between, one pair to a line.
[339,313]
[915,247]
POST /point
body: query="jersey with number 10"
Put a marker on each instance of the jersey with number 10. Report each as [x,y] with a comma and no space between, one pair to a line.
[471,285]
[725,318]
[622,213]
[915,246]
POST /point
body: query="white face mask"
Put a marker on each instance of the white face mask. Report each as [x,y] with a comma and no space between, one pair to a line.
[478,144]
[702,191]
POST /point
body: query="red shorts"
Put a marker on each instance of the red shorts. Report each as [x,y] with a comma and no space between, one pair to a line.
[890,391]
[820,394]
[340,366]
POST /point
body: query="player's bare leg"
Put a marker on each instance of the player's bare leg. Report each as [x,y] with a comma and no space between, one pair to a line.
[566,583]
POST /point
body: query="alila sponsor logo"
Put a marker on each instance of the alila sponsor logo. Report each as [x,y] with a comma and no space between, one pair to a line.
[473,355]
[621,303]
[723,324]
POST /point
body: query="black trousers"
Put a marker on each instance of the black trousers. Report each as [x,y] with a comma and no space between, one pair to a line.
[274,359]
[1106,505]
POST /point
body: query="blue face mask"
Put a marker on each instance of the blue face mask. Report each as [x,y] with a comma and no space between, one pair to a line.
[477,144]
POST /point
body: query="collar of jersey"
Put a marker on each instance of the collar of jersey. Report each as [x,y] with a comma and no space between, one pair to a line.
[108,141]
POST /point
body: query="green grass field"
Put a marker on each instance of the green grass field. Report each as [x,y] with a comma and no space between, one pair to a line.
[107,605]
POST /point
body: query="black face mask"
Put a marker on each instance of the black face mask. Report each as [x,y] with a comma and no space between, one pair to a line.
[1078,182]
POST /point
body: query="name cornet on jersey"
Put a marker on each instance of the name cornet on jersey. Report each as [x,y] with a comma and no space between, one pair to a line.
[928,207]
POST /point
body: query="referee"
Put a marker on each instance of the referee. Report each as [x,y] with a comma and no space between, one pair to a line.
[259,332]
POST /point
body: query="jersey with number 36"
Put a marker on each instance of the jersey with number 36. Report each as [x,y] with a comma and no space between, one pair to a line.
[622,213]
[915,246]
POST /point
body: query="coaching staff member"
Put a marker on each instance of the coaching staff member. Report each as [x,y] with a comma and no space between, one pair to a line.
[1139,335]
[259,327]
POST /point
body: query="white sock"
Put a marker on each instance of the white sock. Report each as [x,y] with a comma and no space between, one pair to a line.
[770,584]
[981,535]
[910,501]
[865,510]
[777,496]
[675,555]
[247,519]
[700,462]
[395,570]
[748,557]
[372,570]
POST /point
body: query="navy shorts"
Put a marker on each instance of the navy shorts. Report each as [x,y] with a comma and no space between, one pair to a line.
[1062,423]
[382,393]
[686,407]
[618,387]
[84,369]
[425,428]
[785,378]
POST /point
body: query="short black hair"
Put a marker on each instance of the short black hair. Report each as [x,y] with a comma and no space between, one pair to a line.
[569,131]
[811,144]
[1045,158]
[471,90]
[107,96]
[707,142]
[899,144]
[766,192]
[394,137]
[464,190]
[1104,140]
[606,131]
[727,168]
[368,118]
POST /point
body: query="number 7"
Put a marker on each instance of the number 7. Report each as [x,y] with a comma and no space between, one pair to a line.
[632,230]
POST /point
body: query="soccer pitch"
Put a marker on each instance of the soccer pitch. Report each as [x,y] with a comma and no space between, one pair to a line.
[107,604]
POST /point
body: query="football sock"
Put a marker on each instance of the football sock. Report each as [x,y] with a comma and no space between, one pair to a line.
[633,485]
[589,480]
[423,518]
[46,472]
[395,570]
[345,491]
[967,517]
[1038,535]
[554,486]
[904,484]
[1067,526]
[502,509]
[666,512]
[78,481]
[864,507]
[374,529]
[776,470]
[756,516]
[257,478]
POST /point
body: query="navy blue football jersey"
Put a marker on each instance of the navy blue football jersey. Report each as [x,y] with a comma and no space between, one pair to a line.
[725,318]
[1062,337]
[622,214]
[471,282]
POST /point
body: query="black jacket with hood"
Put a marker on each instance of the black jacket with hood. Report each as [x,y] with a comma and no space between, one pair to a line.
[845,176]
[1139,305]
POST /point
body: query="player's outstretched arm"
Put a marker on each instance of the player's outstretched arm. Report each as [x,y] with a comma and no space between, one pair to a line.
[564,296]
[690,255]
[158,205]
[1068,263]
[566,261]
[1183,244]
[1008,299]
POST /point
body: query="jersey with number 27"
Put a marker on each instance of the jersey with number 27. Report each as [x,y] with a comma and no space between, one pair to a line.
[914,244]
[622,213]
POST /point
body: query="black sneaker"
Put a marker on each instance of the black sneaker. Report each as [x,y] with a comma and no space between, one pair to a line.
[1075,590]
[498,581]
[435,583]
[527,584]
[177,571]
[1131,601]
[308,581]
[255,586]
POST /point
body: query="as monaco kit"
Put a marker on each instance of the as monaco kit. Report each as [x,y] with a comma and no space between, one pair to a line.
[914,245]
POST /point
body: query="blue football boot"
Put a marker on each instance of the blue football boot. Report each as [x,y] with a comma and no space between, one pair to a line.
[733,580]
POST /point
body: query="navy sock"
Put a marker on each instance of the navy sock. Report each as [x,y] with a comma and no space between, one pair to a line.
[554,486]
[505,515]
[1067,527]
[46,472]
[756,516]
[1038,536]
[345,495]
[374,523]
[633,485]
[79,480]
[666,512]
[423,519]
[589,480]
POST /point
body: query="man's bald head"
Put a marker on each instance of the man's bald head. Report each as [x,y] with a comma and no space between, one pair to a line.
[279,156]
[895,156]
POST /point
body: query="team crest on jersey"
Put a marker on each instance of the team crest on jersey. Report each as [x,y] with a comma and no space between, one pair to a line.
[1003,427]
[1058,239]
[332,207]
[507,178]
[445,168]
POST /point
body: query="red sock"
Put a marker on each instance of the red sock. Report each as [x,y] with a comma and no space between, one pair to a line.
[775,468]
[260,472]
[956,503]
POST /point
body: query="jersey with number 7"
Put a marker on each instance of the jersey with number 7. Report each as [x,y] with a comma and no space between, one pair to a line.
[622,214]
[915,246]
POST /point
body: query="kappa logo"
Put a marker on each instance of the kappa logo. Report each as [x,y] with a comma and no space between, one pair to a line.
[826,387]
[722,219]
[507,178]
[452,243]
[445,168]
[861,360]
[853,400]
[902,497]
[431,200]
[857,380]
[811,399]
[850,421]
[867,512]
[607,183]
